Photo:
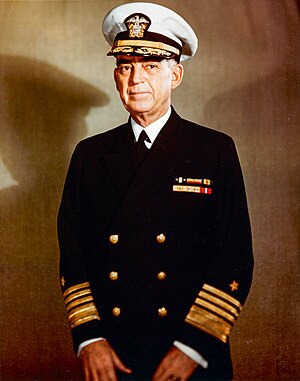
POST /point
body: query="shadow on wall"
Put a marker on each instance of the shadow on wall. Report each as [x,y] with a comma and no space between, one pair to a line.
[263,118]
[42,111]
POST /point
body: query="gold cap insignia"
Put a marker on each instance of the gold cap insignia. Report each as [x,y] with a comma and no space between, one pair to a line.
[137,24]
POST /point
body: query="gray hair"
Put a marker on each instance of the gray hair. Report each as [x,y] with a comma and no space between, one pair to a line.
[171,62]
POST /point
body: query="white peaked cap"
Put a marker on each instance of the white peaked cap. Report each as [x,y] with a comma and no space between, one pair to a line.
[148,29]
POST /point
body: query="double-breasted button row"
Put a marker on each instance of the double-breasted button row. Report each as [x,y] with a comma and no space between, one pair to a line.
[114,275]
[114,238]
[162,312]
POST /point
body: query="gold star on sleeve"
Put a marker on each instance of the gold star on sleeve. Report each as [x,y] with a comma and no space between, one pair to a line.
[234,285]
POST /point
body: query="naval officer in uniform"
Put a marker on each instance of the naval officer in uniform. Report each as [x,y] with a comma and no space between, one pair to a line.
[156,257]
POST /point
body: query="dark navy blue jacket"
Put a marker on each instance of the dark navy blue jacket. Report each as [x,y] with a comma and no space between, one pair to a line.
[156,251]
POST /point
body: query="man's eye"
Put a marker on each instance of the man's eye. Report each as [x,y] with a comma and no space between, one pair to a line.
[150,66]
[124,68]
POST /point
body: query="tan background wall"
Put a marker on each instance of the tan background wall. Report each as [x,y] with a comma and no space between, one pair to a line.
[56,87]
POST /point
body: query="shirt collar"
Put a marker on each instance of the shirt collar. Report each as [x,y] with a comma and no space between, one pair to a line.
[152,130]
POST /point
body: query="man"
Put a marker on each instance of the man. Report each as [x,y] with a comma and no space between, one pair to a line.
[156,258]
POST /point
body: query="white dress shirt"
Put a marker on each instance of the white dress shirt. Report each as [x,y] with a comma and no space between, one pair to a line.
[152,131]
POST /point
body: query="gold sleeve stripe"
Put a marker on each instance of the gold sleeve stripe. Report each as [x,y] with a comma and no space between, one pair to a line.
[204,320]
[209,330]
[205,325]
[78,302]
[80,309]
[80,312]
[222,295]
[84,320]
[76,295]
[75,288]
[211,307]
[209,323]
[219,302]
[211,316]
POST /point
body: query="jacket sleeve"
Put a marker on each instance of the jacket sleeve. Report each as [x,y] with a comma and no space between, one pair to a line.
[82,314]
[220,299]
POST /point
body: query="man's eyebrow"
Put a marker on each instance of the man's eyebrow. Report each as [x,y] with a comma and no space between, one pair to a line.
[152,59]
[121,61]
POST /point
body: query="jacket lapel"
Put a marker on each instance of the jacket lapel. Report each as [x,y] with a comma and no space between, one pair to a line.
[119,160]
[156,168]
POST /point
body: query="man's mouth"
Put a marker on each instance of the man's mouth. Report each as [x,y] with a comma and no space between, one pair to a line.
[139,92]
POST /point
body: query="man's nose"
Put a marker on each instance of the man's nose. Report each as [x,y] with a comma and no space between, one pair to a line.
[137,75]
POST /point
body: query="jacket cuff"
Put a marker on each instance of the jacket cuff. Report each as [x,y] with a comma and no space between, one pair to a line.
[214,312]
[86,331]
[80,305]
[210,320]
[200,341]
[82,314]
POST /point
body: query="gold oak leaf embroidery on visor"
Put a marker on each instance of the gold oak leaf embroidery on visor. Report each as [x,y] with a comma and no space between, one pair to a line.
[214,312]
[80,305]
[144,47]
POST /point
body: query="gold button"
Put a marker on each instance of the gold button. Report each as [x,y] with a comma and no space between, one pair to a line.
[161,238]
[116,311]
[113,275]
[162,312]
[114,238]
[161,275]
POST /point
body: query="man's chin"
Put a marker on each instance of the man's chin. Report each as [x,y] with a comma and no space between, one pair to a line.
[139,109]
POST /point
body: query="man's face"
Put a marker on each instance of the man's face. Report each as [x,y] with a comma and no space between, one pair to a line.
[145,84]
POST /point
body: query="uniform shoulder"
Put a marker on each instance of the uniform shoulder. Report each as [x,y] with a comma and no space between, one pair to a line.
[103,140]
[198,132]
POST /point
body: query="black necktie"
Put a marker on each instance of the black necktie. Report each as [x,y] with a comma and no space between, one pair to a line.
[141,148]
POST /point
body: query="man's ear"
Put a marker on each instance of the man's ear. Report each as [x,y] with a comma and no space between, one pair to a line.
[177,75]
